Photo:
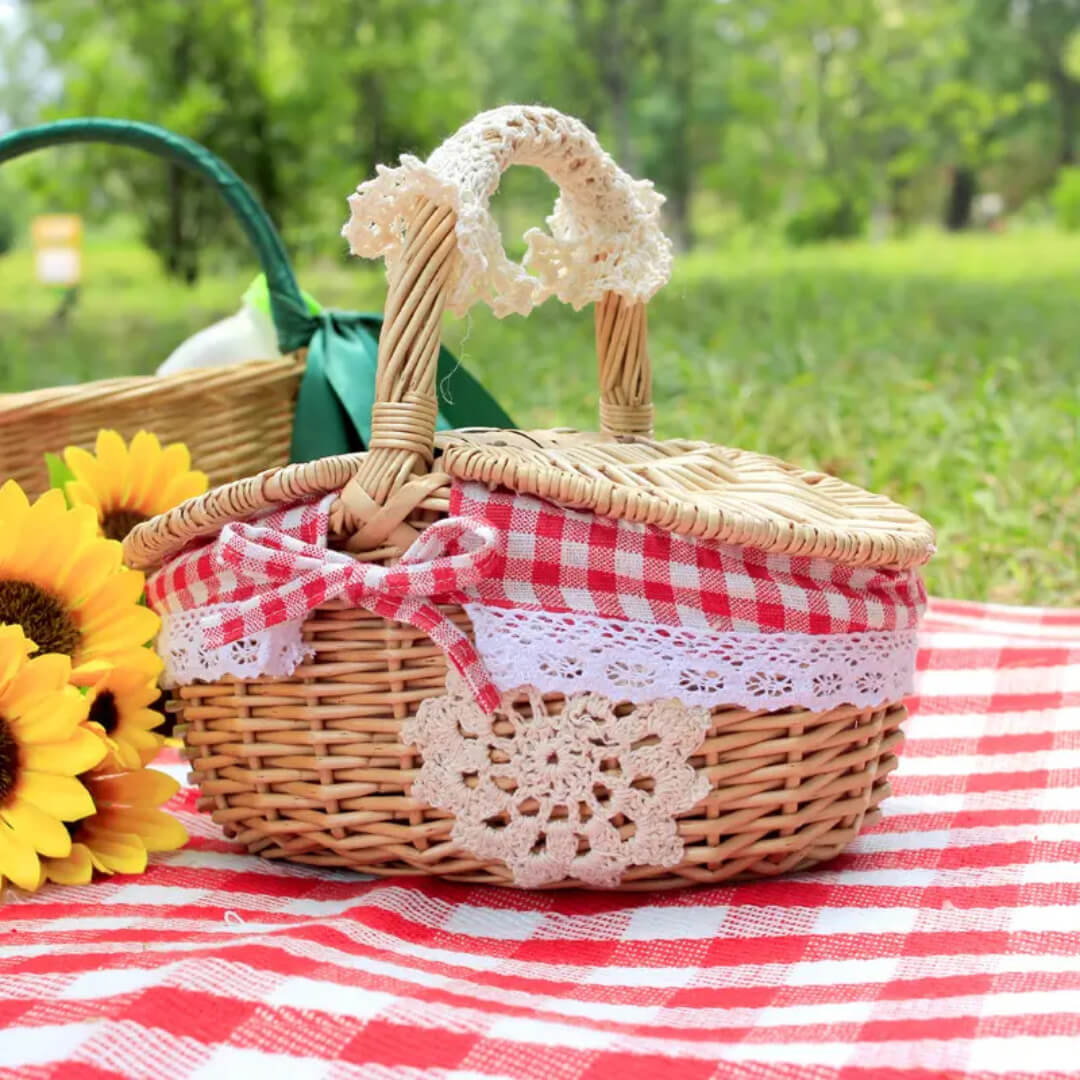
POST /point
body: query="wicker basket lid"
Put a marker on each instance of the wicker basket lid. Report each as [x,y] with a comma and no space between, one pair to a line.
[683,486]
[696,489]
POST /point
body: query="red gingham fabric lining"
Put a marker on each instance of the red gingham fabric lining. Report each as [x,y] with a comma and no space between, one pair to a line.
[515,551]
[556,559]
[944,943]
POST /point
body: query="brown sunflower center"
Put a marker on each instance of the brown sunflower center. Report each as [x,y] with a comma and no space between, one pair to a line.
[116,524]
[105,712]
[43,618]
[9,761]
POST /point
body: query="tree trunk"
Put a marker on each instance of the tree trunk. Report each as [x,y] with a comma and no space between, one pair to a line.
[961,198]
[179,260]
[1068,93]
[264,165]
[373,109]
[174,243]
[614,64]
[680,63]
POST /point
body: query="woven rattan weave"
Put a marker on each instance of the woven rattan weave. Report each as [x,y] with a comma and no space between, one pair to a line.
[313,768]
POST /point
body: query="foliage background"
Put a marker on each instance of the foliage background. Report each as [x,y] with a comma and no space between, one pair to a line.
[917,352]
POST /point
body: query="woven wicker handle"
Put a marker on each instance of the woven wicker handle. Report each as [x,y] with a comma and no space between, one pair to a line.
[432,224]
[289,311]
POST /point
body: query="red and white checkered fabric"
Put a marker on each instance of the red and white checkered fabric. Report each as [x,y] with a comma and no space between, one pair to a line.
[554,559]
[197,578]
[944,943]
[515,551]
[255,576]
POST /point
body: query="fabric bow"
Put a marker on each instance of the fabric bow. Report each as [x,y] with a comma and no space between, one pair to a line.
[288,579]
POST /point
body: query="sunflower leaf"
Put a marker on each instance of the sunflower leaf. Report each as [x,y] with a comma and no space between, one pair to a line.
[59,473]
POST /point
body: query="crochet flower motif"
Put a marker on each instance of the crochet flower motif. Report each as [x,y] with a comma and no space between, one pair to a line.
[585,793]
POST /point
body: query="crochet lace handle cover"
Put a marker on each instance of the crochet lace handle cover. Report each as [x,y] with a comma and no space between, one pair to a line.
[431,222]
[605,230]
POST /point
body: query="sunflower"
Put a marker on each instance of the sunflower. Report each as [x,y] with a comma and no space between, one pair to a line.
[67,587]
[125,486]
[121,705]
[43,749]
[126,827]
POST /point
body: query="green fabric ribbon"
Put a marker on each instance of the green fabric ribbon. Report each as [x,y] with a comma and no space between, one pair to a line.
[333,411]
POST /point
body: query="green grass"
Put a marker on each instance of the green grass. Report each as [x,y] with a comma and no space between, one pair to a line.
[942,371]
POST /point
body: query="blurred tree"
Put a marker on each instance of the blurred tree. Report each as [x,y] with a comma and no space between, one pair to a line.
[194,68]
[996,90]
[822,114]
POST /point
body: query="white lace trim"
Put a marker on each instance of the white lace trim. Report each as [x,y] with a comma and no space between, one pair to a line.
[278,650]
[605,229]
[636,661]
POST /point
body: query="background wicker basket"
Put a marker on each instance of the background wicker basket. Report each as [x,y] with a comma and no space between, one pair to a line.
[237,419]
[313,768]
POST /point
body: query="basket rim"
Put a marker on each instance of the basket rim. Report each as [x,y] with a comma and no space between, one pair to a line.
[193,381]
[501,458]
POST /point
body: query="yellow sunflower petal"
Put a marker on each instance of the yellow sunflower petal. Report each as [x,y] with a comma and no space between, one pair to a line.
[142,719]
[82,752]
[129,631]
[144,741]
[116,595]
[52,718]
[142,787]
[47,512]
[13,504]
[90,568]
[63,796]
[145,454]
[75,869]
[18,860]
[87,469]
[112,762]
[175,458]
[80,494]
[112,453]
[180,488]
[90,672]
[37,680]
[45,539]
[38,545]
[121,853]
[81,538]
[143,667]
[123,755]
[134,675]
[157,830]
[15,647]
[13,507]
[42,831]
[138,700]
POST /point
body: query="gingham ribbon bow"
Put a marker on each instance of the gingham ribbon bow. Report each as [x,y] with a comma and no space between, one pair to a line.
[288,578]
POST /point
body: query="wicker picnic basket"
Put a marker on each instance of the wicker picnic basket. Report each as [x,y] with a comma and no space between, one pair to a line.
[591,726]
[235,419]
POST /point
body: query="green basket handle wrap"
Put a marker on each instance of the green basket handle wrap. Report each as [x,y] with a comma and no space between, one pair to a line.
[288,308]
[333,408]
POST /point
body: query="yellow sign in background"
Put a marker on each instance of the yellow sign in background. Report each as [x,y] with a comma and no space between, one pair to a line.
[57,242]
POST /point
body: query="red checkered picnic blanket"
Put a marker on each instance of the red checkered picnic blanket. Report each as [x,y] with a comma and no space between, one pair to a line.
[515,551]
[944,943]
